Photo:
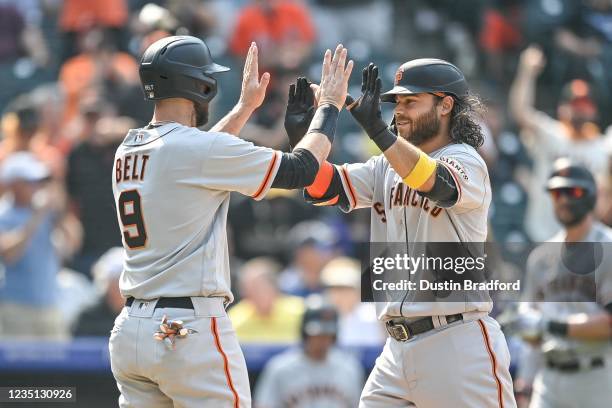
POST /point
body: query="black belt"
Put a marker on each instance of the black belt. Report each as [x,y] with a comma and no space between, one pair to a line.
[401,329]
[174,302]
[574,365]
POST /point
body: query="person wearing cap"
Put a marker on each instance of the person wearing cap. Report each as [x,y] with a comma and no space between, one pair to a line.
[30,216]
[566,322]
[316,374]
[358,325]
[429,185]
[573,133]
[312,244]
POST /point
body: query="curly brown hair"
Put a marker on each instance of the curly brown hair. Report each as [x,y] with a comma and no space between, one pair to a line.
[464,121]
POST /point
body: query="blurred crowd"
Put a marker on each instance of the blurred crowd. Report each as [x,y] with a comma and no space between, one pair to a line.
[70,91]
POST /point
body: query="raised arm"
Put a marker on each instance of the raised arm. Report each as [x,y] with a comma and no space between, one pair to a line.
[522,92]
[251,96]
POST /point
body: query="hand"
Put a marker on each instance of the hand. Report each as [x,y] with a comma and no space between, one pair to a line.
[253,90]
[532,60]
[300,110]
[525,322]
[366,109]
[334,78]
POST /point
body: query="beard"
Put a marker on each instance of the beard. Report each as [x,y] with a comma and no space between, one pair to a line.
[201,114]
[423,128]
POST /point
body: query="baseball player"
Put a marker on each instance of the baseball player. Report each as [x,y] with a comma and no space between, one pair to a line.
[173,344]
[316,375]
[429,185]
[568,316]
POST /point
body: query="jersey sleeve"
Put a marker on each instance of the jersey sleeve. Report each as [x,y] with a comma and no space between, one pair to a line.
[267,391]
[358,182]
[471,178]
[233,164]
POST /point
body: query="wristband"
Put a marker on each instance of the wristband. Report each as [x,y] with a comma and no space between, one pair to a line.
[324,121]
[384,139]
[423,169]
[558,328]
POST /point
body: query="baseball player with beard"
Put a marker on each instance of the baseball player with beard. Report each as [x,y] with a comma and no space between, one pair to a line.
[429,185]
[567,314]
[173,344]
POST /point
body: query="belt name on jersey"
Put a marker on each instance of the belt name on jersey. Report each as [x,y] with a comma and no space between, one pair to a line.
[130,167]
[403,196]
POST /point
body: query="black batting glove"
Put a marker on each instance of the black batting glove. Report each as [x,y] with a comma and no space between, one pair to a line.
[366,109]
[300,110]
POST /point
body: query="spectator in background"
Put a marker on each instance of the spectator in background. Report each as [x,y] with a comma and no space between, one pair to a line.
[282,29]
[21,128]
[316,374]
[500,38]
[98,319]
[98,66]
[344,20]
[79,16]
[32,215]
[573,134]
[261,228]
[358,323]
[313,246]
[91,196]
[264,315]
[20,36]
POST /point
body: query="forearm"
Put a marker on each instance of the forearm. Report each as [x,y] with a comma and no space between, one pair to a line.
[522,96]
[13,243]
[321,132]
[585,327]
[403,157]
[234,121]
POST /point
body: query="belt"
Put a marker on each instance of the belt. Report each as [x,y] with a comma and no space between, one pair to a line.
[174,302]
[401,329]
[575,365]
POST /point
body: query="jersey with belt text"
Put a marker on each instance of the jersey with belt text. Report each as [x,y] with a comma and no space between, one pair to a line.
[172,188]
[399,214]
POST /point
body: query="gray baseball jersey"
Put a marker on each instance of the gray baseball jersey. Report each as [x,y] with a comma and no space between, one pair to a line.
[172,187]
[400,214]
[293,380]
[560,294]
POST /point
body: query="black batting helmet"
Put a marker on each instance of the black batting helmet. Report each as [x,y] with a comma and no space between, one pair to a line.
[320,318]
[427,75]
[179,67]
[567,174]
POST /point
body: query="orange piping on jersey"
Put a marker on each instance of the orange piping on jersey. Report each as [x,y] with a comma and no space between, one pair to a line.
[485,336]
[322,180]
[228,376]
[263,184]
[455,178]
[350,186]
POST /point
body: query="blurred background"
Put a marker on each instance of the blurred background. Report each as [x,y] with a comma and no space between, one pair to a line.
[70,91]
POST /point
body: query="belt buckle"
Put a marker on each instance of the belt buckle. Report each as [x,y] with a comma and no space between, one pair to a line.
[398,332]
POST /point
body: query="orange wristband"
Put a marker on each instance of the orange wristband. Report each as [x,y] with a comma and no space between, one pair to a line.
[322,180]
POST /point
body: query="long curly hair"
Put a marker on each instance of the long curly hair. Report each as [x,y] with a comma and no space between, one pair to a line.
[464,120]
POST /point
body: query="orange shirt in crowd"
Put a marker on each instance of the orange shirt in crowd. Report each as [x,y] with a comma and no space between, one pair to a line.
[82,71]
[284,21]
[77,15]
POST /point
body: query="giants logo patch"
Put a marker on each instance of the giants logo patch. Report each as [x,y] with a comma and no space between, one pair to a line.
[398,76]
[455,166]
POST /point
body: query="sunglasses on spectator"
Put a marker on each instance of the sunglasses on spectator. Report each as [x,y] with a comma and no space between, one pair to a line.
[571,192]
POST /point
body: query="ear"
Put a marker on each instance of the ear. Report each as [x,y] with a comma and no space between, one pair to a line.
[446,105]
